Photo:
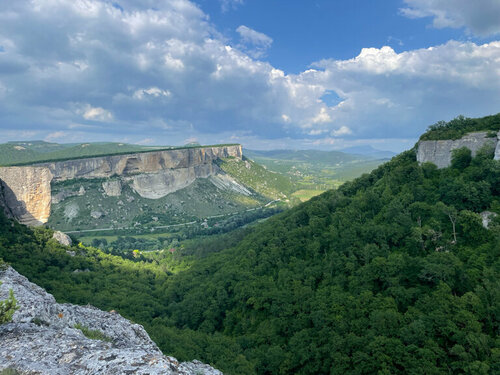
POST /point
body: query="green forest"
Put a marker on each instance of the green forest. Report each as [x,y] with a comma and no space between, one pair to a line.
[392,273]
[459,126]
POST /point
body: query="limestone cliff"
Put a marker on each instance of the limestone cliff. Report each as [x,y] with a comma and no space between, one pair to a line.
[439,152]
[26,193]
[43,339]
[152,175]
[139,163]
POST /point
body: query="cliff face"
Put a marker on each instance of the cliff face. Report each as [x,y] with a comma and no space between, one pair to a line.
[439,152]
[151,174]
[26,193]
[42,338]
[132,164]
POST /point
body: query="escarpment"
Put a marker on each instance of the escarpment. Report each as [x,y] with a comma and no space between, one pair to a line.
[27,189]
[439,152]
[139,163]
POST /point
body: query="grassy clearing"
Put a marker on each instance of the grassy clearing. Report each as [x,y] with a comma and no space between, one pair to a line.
[305,195]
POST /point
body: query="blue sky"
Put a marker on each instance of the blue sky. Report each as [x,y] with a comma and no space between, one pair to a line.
[268,74]
[304,31]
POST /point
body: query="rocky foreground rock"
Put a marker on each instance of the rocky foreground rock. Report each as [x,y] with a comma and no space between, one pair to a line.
[42,338]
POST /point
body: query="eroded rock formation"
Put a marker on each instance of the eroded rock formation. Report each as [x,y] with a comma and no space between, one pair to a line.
[42,338]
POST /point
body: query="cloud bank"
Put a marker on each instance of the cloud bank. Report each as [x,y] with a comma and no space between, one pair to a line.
[134,70]
[480,17]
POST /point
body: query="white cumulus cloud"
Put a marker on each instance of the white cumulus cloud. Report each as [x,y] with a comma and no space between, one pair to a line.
[343,130]
[391,93]
[253,42]
[481,17]
[97,114]
[152,92]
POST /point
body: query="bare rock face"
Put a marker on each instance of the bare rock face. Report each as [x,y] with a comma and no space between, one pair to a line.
[27,193]
[62,238]
[3,204]
[157,185]
[42,338]
[145,162]
[439,152]
[112,188]
[225,182]
[497,148]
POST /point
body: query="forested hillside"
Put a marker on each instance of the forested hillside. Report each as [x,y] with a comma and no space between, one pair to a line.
[393,273]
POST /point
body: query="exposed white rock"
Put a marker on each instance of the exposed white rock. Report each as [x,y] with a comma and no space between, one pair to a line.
[96,214]
[439,152]
[112,188]
[62,238]
[157,185]
[26,193]
[486,217]
[71,211]
[42,339]
[497,148]
[225,182]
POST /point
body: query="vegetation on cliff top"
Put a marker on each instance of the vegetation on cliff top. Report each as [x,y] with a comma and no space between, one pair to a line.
[459,126]
[28,153]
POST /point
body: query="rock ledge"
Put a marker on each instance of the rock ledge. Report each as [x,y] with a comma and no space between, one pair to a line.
[42,339]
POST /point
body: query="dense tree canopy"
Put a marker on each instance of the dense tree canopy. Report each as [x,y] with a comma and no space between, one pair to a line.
[460,126]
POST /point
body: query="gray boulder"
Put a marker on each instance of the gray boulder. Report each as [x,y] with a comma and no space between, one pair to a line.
[62,238]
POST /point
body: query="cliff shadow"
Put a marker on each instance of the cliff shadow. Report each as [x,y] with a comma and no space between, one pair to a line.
[15,208]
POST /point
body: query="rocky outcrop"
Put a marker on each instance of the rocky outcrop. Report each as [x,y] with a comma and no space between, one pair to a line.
[497,148]
[112,188]
[62,238]
[26,193]
[42,338]
[157,185]
[439,152]
[151,174]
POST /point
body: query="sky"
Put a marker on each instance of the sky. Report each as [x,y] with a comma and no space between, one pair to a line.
[269,74]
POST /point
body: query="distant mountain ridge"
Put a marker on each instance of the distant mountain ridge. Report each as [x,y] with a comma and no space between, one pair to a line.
[367,150]
[304,155]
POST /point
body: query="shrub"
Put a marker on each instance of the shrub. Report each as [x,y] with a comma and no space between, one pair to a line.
[7,308]
[92,334]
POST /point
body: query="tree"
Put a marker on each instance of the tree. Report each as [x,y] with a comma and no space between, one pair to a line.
[461,158]
[7,308]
